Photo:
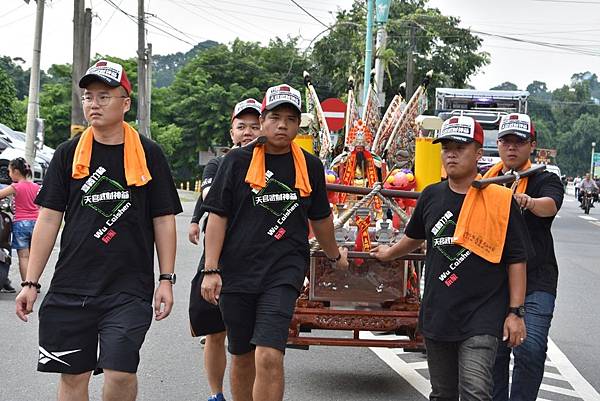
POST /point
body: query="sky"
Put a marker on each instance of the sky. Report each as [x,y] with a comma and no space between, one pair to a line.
[569,30]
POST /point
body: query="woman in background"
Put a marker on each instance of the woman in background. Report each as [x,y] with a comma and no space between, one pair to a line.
[25,211]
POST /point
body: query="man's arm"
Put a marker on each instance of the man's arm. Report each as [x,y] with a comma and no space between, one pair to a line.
[514,326]
[404,246]
[194,230]
[214,237]
[165,237]
[541,207]
[42,241]
[324,232]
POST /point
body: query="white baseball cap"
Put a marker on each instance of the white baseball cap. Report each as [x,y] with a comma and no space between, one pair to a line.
[280,94]
[245,105]
[517,124]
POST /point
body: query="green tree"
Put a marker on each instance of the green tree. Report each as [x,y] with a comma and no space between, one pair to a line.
[55,105]
[20,78]
[540,110]
[441,45]
[165,67]
[205,90]
[505,86]
[8,99]
[575,145]
[538,89]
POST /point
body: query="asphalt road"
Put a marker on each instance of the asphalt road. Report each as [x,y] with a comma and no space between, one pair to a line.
[170,368]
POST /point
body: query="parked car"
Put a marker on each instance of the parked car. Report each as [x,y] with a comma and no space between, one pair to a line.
[12,145]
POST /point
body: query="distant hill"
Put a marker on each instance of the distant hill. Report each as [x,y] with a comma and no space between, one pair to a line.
[165,67]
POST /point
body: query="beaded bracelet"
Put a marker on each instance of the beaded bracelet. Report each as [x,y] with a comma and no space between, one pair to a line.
[31,284]
[211,271]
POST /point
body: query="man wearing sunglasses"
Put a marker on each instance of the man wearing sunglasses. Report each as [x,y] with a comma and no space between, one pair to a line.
[540,197]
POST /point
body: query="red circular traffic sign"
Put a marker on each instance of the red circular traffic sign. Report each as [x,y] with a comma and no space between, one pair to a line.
[335,111]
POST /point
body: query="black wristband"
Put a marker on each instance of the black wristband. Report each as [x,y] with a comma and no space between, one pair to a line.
[31,284]
[335,260]
[211,271]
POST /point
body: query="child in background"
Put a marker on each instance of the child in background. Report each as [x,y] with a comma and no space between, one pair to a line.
[25,211]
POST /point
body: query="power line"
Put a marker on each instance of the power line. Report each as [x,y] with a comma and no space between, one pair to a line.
[204,16]
[309,14]
[108,21]
[17,20]
[134,19]
[535,100]
[172,27]
[13,10]
[230,12]
[569,2]
[539,43]
[243,8]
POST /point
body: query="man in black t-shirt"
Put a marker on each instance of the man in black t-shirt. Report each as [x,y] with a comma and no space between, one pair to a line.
[463,313]
[205,318]
[260,205]
[118,199]
[540,199]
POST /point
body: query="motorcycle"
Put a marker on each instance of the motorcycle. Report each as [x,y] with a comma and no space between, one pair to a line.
[587,200]
[5,241]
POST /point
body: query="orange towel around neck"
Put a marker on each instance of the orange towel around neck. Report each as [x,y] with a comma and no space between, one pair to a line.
[256,172]
[134,157]
[497,169]
[483,221]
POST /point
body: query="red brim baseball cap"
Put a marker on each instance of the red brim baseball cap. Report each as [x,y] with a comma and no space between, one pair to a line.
[110,73]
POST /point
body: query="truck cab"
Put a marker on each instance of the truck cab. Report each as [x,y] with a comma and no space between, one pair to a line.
[486,107]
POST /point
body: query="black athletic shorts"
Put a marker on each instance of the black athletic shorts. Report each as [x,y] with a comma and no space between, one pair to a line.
[205,318]
[71,327]
[258,319]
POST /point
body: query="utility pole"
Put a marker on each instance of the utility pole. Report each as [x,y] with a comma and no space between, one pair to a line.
[382,11]
[368,51]
[87,39]
[410,62]
[34,85]
[149,87]
[77,118]
[141,70]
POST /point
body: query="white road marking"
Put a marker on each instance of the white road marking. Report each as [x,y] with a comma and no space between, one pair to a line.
[569,372]
[588,218]
[580,388]
[387,355]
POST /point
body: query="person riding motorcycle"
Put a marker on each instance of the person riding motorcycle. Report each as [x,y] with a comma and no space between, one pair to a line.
[587,184]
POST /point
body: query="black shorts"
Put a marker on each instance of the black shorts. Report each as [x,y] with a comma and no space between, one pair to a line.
[71,326]
[205,318]
[258,319]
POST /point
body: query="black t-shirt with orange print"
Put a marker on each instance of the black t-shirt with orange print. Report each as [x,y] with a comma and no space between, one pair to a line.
[107,243]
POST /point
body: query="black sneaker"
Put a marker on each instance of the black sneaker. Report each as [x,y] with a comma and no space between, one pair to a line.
[8,288]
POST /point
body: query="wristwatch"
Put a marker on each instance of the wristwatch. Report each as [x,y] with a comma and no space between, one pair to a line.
[519,311]
[172,277]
